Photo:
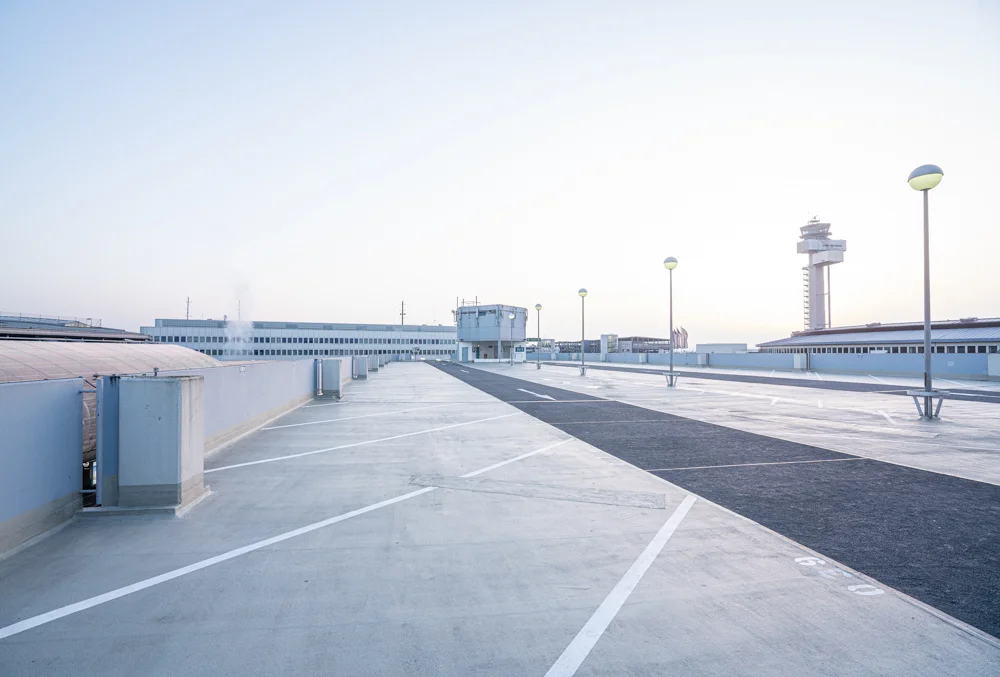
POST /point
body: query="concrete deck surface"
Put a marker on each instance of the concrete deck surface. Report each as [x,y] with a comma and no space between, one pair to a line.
[494,574]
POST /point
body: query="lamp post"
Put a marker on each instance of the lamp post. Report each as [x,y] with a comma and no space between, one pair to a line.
[924,178]
[583,334]
[538,326]
[511,318]
[670,263]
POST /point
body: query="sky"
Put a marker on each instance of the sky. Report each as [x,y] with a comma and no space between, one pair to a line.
[324,161]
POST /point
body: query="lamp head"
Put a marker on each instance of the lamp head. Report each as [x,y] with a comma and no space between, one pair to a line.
[511,316]
[582,292]
[538,306]
[925,177]
[670,263]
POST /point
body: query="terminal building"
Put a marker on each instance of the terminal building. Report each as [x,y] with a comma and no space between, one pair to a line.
[964,336]
[234,340]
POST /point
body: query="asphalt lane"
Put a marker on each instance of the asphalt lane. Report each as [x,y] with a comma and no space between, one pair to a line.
[931,536]
[965,395]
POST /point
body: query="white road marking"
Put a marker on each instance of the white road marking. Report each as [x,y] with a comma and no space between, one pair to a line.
[745,465]
[544,397]
[516,458]
[819,403]
[351,418]
[569,662]
[963,385]
[464,370]
[879,380]
[817,376]
[355,444]
[774,400]
[69,609]
[887,417]
[772,373]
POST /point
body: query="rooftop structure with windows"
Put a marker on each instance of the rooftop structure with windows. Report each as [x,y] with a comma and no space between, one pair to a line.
[234,340]
[966,335]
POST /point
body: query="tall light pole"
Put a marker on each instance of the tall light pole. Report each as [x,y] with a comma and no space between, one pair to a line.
[538,326]
[670,263]
[511,317]
[583,334]
[924,178]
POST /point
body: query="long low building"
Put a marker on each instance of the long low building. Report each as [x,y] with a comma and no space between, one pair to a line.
[234,340]
[968,335]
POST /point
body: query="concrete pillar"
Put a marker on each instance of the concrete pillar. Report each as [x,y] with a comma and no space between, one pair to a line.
[161,440]
[360,367]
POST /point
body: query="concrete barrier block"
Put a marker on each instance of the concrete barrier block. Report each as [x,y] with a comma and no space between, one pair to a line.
[993,365]
[161,440]
[360,367]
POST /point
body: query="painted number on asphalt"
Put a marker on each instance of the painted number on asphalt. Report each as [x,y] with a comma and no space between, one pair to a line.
[834,573]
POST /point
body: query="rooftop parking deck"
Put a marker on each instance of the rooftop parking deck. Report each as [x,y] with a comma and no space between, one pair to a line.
[458,521]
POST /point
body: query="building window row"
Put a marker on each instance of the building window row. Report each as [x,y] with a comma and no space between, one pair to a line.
[285,352]
[892,350]
[303,339]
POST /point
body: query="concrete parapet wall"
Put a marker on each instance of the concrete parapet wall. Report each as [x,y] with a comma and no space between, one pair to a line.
[41,433]
[161,440]
[241,397]
[911,364]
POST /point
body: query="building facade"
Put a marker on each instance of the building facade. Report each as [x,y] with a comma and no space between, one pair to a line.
[968,335]
[229,340]
[488,333]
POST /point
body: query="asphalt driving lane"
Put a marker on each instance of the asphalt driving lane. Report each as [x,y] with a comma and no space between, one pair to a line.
[934,537]
[962,394]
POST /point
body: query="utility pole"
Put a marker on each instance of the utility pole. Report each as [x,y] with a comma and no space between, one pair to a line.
[402,313]
[187,310]
[239,313]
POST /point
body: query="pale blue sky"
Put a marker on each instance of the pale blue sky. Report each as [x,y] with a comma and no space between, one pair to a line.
[323,161]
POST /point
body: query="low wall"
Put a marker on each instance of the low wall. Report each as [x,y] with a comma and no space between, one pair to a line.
[752,360]
[241,397]
[41,432]
[911,364]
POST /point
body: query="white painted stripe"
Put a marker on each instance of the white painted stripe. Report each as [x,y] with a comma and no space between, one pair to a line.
[774,400]
[772,373]
[69,609]
[536,394]
[351,418]
[819,403]
[356,444]
[872,376]
[745,465]
[62,612]
[464,370]
[569,662]
[887,417]
[817,376]
[516,458]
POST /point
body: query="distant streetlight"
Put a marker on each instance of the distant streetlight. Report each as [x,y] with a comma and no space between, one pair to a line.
[511,317]
[924,178]
[583,334]
[538,327]
[670,263]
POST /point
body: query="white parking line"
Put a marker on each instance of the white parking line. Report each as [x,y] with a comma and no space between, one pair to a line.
[878,379]
[569,662]
[887,417]
[464,370]
[351,418]
[356,444]
[62,612]
[544,397]
[817,376]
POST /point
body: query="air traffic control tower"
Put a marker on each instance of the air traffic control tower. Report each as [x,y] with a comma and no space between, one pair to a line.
[823,253]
